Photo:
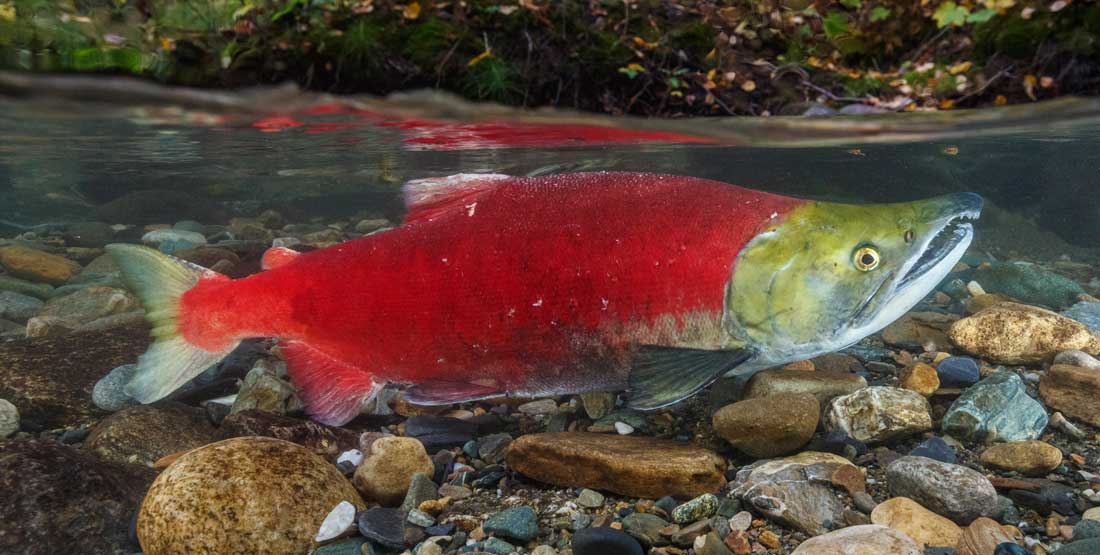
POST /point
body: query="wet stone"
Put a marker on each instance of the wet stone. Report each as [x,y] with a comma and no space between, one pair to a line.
[145,433]
[17,306]
[1074,391]
[37,290]
[1029,283]
[949,490]
[1010,548]
[420,518]
[1086,529]
[440,432]
[9,418]
[1088,313]
[935,448]
[646,528]
[350,546]
[771,426]
[421,489]
[701,507]
[497,546]
[598,404]
[539,407]
[958,372]
[37,266]
[876,414]
[108,393]
[1084,547]
[262,390]
[1031,458]
[869,539]
[1011,333]
[520,523]
[604,541]
[382,525]
[590,499]
[997,408]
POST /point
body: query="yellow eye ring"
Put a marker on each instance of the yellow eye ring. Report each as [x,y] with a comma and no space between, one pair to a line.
[866,258]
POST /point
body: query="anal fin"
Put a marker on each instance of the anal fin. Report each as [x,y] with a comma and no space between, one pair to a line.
[334,391]
[661,376]
[449,392]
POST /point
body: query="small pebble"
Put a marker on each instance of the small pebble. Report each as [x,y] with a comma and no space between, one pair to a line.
[699,508]
[605,541]
[351,456]
[420,518]
[590,499]
[623,428]
[520,523]
[385,526]
[339,521]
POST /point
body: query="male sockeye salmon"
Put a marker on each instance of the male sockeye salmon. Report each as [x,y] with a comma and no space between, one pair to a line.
[510,286]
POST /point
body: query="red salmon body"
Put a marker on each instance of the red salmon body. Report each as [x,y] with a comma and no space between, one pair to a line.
[499,285]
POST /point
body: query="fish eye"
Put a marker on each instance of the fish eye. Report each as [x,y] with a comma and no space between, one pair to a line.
[909,236]
[866,258]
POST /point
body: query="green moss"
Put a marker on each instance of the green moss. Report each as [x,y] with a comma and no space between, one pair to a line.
[359,48]
[695,39]
[426,43]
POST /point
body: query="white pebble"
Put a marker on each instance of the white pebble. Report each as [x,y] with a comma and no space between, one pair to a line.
[623,428]
[741,521]
[975,289]
[339,521]
[9,418]
[353,456]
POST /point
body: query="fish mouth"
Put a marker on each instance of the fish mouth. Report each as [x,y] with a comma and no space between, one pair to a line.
[950,225]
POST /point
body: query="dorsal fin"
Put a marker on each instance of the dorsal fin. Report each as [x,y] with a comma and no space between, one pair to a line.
[433,197]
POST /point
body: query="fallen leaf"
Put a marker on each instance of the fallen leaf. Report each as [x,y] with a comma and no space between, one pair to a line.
[1001,100]
[1046,81]
[748,86]
[1029,85]
[7,13]
[477,59]
[951,150]
[947,104]
[856,152]
[958,68]
[412,10]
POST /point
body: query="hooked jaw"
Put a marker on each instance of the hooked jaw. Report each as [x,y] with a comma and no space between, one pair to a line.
[948,229]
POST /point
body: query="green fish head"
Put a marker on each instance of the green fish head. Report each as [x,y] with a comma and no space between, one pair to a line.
[825,275]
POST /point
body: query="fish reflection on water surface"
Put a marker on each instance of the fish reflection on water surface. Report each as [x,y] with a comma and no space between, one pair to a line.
[498,285]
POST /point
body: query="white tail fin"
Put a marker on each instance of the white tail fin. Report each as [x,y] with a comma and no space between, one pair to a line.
[159,281]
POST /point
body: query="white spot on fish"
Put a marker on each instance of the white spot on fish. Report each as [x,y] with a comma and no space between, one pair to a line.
[537,303]
[470,208]
[511,312]
[774,215]
[444,260]
[605,303]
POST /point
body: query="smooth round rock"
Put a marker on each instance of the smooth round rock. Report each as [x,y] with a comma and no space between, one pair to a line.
[699,508]
[958,372]
[1084,547]
[868,539]
[9,418]
[388,470]
[769,426]
[646,528]
[919,377]
[109,392]
[605,541]
[949,490]
[935,448]
[1010,548]
[877,414]
[1032,458]
[997,408]
[924,526]
[242,495]
[1086,530]
[1011,333]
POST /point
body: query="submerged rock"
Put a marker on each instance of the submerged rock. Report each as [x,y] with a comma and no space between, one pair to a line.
[958,372]
[155,206]
[519,523]
[646,528]
[1031,458]
[1088,313]
[109,392]
[383,526]
[1028,283]
[949,490]
[38,266]
[867,539]
[1011,333]
[326,441]
[699,508]
[88,234]
[910,518]
[604,541]
[800,491]
[9,419]
[58,499]
[917,330]
[385,475]
[88,304]
[143,434]
[825,386]
[877,414]
[41,291]
[998,408]
[17,306]
[982,537]
[771,426]
[919,377]
[1074,391]
[635,466]
[262,390]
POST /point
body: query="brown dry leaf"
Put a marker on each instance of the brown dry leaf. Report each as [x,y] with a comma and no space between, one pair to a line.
[951,150]
[1029,85]
[477,59]
[412,10]
[961,67]
[748,86]
[856,152]
[1001,100]
[947,104]
[642,43]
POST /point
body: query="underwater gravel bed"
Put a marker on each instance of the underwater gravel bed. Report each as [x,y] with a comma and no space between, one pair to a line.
[807,450]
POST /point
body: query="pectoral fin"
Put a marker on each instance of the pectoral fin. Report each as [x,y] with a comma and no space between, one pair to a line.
[661,376]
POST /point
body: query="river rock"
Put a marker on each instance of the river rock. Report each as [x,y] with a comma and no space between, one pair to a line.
[173,239]
[40,291]
[58,499]
[919,377]
[935,448]
[325,441]
[1086,312]
[1077,358]
[958,372]
[1031,458]
[385,475]
[88,304]
[800,491]
[877,414]
[88,234]
[997,408]
[633,466]
[1083,547]
[109,392]
[924,526]
[18,307]
[1012,333]
[769,427]
[1028,283]
[1074,391]
[696,509]
[262,390]
[9,418]
[154,206]
[242,495]
[646,528]
[440,432]
[867,539]
[949,490]
[384,526]
[144,433]
[981,538]
[825,386]
[519,523]
[919,330]
[604,540]
[51,379]
[36,265]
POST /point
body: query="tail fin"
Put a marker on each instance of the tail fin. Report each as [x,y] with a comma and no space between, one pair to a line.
[159,281]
